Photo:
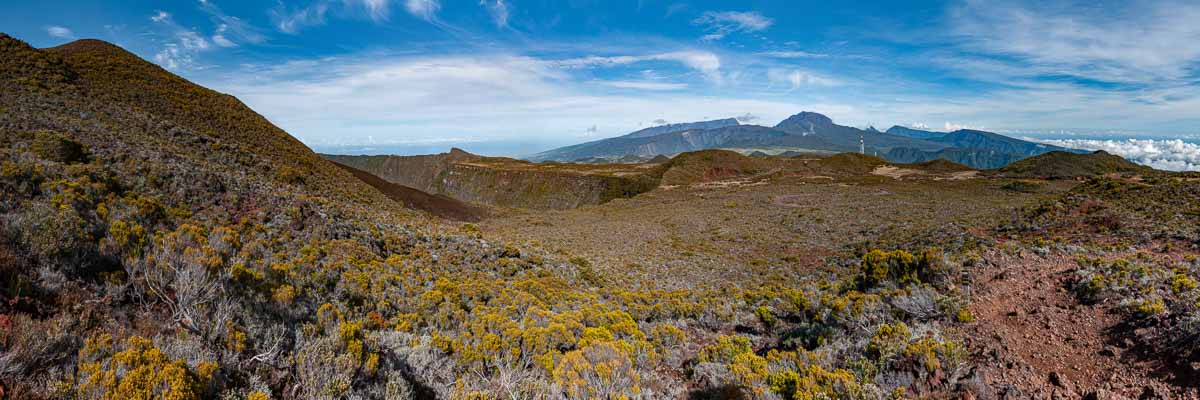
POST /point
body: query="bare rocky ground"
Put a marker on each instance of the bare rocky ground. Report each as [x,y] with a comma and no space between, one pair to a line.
[750,229]
[1035,340]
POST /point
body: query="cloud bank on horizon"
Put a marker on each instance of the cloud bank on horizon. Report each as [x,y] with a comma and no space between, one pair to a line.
[549,73]
[1169,154]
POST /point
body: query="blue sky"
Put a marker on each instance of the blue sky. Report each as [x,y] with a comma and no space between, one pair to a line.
[518,76]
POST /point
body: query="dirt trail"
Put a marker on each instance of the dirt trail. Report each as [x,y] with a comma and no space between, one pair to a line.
[1036,341]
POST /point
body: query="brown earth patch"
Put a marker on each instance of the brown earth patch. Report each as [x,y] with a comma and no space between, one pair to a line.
[1035,340]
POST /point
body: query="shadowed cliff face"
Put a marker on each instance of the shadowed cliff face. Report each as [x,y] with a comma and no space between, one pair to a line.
[508,183]
[439,205]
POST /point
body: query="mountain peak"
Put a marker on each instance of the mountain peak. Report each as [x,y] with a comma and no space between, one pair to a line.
[89,45]
[810,118]
[805,123]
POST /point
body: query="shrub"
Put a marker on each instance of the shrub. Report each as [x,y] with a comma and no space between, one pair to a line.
[899,266]
[57,147]
[814,382]
[601,370]
[53,233]
[888,340]
[290,175]
[139,371]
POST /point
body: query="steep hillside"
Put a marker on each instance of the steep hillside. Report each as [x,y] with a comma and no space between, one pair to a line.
[980,159]
[160,238]
[845,138]
[506,182]
[1060,165]
[739,136]
[686,126]
[439,205]
[112,75]
[712,165]
[914,133]
[987,141]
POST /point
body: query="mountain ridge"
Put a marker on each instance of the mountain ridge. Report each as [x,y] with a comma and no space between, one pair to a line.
[807,132]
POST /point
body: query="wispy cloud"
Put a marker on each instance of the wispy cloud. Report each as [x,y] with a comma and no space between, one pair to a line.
[705,62]
[378,10]
[230,29]
[954,126]
[421,96]
[1142,42]
[59,32]
[721,24]
[498,9]
[219,38]
[793,54]
[291,20]
[423,9]
[182,47]
[797,78]
[646,85]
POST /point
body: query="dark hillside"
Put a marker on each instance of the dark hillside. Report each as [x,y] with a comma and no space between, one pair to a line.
[438,205]
[114,76]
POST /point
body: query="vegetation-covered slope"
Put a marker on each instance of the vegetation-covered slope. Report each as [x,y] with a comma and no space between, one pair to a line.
[1061,164]
[160,240]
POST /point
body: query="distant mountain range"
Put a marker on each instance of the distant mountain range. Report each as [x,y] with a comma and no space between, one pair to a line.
[807,132]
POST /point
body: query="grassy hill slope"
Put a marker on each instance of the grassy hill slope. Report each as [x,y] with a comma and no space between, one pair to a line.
[1061,164]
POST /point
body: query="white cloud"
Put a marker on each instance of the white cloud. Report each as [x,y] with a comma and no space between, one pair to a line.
[1172,155]
[377,9]
[59,32]
[704,62]
[184,45]
[291,21]
[646,85]
[1136,42]
[423,9]
[951,127]
[230,29]
[499,9]
[345,100]
[795,78]
[747,118]
[170,57]
[220,39]
[721,24]
[793,54]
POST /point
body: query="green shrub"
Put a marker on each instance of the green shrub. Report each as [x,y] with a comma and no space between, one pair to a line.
[900,267]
